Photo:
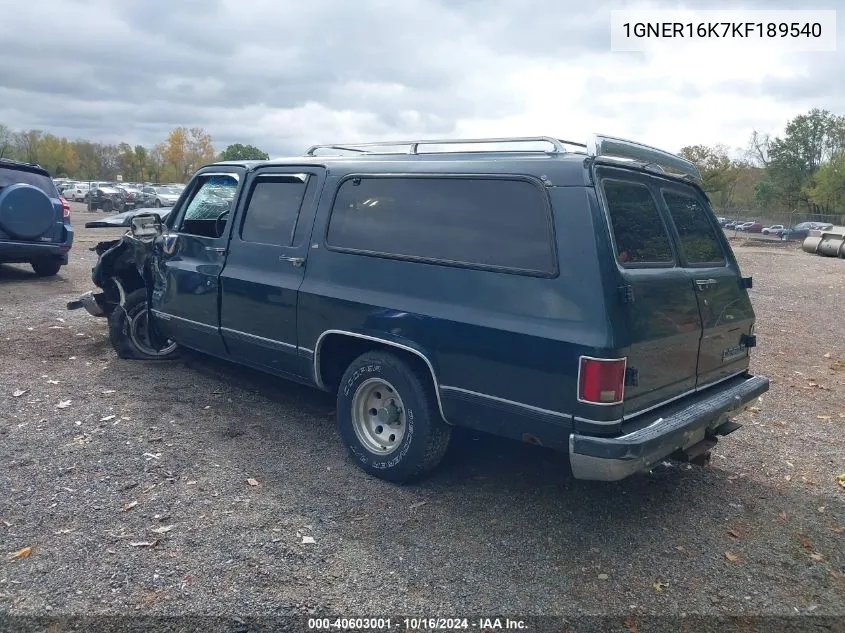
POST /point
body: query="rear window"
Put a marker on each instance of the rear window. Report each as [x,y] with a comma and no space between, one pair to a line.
[697,234]
[488,222]
[15,176]
[638,229]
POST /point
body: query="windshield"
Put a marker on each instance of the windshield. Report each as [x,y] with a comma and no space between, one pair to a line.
[14,176]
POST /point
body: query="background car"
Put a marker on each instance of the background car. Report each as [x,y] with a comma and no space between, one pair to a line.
[75,192]
[775,229]
[107,199]
[34,219]
[160,196]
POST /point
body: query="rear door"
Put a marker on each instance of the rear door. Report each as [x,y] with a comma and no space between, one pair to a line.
[726,312]
[661,316]
[265,266]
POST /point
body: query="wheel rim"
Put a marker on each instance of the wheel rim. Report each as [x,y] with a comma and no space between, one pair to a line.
[140,336]
[378,416]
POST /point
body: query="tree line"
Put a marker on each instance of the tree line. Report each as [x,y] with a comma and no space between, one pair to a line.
[801,171]
[173,160]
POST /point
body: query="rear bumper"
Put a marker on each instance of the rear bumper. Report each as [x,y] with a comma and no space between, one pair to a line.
[23,252]
[669,429]
[91,302]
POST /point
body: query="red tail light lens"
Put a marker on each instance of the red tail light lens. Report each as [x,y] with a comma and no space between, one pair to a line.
[601,380]
[65,207]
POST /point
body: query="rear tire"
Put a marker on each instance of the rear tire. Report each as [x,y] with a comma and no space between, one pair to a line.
[46,267]
[128,332]
[388,417]
[158,204]
[107,206]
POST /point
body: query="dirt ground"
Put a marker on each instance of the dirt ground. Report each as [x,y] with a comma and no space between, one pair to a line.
[129,482]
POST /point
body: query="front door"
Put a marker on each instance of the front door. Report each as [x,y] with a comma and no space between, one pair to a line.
[188,259]
[265,268]
[726,312]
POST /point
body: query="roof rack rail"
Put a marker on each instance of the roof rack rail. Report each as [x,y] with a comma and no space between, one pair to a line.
[656,159]
[413,146]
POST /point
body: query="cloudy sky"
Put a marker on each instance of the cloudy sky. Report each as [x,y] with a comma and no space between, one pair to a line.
[284,74]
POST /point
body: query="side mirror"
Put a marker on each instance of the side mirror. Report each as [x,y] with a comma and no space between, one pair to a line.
[146,226]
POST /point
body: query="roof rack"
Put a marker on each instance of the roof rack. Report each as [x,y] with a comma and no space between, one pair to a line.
[413,146]
[601,145]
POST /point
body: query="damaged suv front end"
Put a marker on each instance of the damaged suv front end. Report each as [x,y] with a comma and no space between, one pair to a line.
[122,274]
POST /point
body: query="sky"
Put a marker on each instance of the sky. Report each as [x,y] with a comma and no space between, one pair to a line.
[283,75]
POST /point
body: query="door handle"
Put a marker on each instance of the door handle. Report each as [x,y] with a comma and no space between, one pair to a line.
[705,283]
[216,249]
[296,262]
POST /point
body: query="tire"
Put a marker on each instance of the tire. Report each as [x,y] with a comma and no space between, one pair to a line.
[409,415]
[46,267]
[107,206]
[127,331]
[158,204]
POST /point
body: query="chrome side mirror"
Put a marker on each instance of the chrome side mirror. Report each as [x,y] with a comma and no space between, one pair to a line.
[147,226]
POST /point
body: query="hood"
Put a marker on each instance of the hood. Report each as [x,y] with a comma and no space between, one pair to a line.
[123,219]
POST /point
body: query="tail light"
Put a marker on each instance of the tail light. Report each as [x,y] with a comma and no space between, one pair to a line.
[65,207]
[601,380]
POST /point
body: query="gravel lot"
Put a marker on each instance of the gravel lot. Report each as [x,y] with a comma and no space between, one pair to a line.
[129,481]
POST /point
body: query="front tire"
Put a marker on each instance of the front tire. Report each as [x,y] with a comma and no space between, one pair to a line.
[46,267]
[128,331]
[158,204]
[388,417]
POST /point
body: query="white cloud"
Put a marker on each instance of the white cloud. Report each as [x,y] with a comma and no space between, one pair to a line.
[283,74]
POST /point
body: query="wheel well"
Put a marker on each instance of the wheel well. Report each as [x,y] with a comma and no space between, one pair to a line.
[337,351]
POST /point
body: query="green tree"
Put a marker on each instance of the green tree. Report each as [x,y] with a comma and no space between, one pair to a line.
[809,140]
[243,152]
[57,155]
[7,145]
[719,172]
[828,188]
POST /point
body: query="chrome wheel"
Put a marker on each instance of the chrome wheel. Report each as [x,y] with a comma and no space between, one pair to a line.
[378,416]
[140,336]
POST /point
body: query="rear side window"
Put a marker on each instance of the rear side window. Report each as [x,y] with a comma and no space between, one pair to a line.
[500,223]
[272,210]
[638,229]
[15,176]
[697,235]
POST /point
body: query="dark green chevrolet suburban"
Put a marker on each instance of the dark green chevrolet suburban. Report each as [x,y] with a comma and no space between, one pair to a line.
[579,296]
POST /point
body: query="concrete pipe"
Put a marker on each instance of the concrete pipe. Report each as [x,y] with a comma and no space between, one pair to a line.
[811,244]
[830,246]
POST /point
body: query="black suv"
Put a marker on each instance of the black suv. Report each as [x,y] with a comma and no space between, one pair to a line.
[583,299]
[34,220]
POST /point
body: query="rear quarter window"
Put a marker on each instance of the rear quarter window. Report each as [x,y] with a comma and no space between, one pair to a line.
[639,233]
[471,221]
[697,234]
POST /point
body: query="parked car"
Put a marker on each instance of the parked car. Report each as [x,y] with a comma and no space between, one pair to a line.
[34,219]
[802,230]
[75,192]
[132,196]
[406,285]
[750,227]
[730,224]
[107,198]
[163,196]
[775,229]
